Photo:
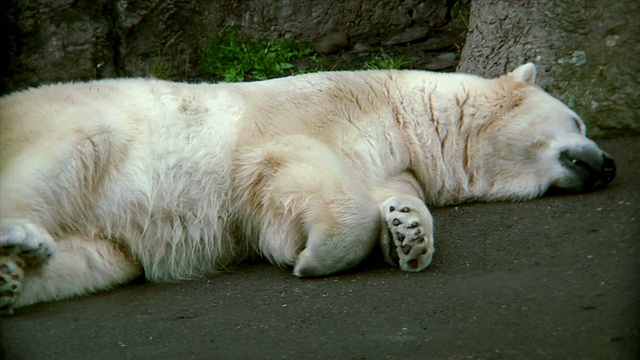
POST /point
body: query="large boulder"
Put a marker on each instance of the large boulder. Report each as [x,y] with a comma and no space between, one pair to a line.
[587,54]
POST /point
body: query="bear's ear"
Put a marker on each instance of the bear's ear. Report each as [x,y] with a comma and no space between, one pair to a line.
[525,73]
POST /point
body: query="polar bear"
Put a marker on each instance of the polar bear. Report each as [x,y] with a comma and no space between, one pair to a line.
[102,182]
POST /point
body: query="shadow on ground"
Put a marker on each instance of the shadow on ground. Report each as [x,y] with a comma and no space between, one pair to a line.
[554,278]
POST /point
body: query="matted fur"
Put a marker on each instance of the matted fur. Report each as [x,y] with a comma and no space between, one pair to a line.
[106,180]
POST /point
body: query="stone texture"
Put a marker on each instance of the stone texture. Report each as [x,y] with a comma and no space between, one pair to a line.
[587,54]
[277,19]
[443,61]
[362,48]
[43,42]
[331,43]
[408,36]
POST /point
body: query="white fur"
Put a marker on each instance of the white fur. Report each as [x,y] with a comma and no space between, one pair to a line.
[181,180]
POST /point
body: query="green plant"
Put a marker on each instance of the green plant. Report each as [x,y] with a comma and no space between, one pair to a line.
[385,62]
[161,68]
[461,9]
[231,56]
[318,62]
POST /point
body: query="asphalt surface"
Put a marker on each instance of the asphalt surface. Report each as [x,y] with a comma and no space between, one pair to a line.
[553,278]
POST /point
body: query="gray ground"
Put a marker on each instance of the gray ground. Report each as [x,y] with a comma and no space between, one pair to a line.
[554,278]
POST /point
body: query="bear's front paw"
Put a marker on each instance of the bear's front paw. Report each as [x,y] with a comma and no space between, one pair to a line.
[26,241]
[409,224]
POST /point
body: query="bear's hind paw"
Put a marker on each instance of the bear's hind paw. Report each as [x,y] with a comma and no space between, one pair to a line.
[11,280]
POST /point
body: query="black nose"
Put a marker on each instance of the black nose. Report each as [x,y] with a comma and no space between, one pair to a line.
[608,169]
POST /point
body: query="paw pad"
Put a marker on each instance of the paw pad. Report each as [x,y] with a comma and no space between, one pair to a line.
[406,249]
[410,233]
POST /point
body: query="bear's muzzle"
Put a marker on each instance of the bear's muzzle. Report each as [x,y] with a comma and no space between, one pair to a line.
[592,169]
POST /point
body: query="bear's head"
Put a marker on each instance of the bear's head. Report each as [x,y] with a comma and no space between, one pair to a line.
[536,143]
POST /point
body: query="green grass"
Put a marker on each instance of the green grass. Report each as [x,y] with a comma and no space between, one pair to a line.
[385,62]
[462,11]
[161,68]
[232,57]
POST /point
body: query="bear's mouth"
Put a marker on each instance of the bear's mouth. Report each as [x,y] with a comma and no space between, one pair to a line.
[590,170]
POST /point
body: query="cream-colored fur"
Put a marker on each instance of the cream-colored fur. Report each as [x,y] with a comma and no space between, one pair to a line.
[104,181]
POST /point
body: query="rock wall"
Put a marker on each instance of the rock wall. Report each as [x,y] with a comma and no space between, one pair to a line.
[47,41]
[587,54]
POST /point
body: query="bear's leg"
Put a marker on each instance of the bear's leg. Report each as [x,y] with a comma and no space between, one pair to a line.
[34,268]
[406,234]
[310,209]
[342,232]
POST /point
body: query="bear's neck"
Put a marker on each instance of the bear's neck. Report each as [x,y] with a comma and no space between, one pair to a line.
[445,150]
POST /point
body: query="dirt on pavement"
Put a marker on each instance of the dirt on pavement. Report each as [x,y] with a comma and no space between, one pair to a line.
[553,278]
